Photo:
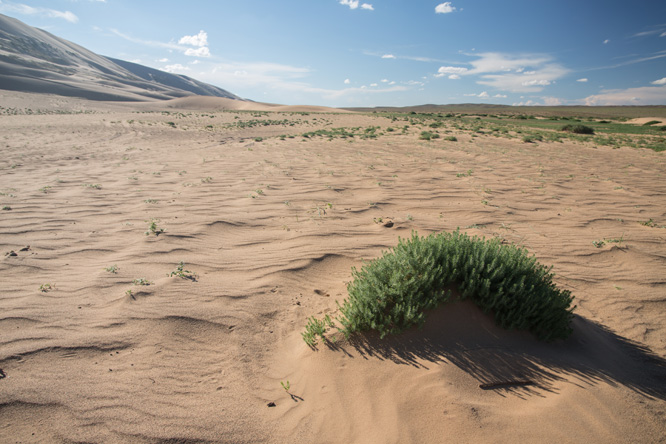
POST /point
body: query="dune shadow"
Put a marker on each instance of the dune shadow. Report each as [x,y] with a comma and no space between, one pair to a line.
[515,362]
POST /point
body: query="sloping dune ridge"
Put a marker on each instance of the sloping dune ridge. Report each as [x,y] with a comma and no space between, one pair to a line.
[102,341]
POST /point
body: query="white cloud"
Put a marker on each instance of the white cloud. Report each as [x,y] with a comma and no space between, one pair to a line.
[353,4]
[199,52]
[528,103]
[175,68]
[501,71]
[200,39]
[347,81]
[500,96]
[20,8]
[551,101]
[384,80]
[509,72]
[444,8]
[660,81]
[164,60]
[374,85]
[606,42]
[647,95]
[583,80]
[367,6]
[482,95]
[533,82]
[452,70]
[388,56]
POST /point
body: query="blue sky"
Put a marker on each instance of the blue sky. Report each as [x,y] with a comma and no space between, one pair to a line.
[382,52]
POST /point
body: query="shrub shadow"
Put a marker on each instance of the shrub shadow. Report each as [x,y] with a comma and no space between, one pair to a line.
[515,362]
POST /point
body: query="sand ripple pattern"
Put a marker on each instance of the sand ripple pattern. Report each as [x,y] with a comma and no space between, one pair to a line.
[272,229]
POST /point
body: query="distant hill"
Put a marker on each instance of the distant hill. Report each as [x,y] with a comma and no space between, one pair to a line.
[33,60]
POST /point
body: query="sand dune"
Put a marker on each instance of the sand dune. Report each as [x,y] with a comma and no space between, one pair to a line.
[205,103]
[272,227]
[33,60]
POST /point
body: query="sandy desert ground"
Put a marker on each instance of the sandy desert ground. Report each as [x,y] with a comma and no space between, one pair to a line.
[272,227]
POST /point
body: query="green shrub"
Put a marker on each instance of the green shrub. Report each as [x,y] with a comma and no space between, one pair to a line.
[392,292]
[651,122]
[427,135]
[533,138]
[577,129]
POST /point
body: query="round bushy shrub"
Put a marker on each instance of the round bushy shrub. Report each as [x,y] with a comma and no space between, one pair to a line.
[578,129]
[391,293]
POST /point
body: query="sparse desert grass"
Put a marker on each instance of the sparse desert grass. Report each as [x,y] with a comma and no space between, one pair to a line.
[181,272]
[45,288]
[316,328]
[153,228]
[428,135]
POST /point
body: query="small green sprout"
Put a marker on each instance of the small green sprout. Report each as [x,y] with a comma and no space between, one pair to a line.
[45,288]
[182,273]
[154,229]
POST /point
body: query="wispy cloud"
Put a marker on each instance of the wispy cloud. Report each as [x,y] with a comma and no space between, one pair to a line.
[153,43]
[444,8]
[175,68]
[20,8]
[388,56]
[661,81]
[641,59]
[509,72]
[583,80]
[481,95]
[647,95]
[184,44]
[656,30]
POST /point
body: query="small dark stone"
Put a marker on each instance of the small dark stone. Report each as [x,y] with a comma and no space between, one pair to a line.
[25,248]
[11,253]
[271,404]
[388,224]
